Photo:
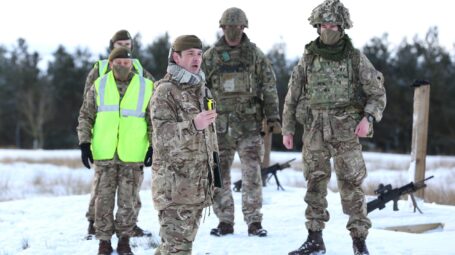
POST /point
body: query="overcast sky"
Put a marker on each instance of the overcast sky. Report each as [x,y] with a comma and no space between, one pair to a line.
[45,24]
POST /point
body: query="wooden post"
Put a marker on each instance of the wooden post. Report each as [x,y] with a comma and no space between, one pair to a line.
[267,149]
[419,132]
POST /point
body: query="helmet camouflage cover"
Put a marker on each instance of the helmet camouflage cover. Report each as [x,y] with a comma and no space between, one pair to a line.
[331,11]
[233,16]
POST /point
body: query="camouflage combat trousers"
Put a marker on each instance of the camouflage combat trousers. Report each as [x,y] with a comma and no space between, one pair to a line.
[123,180]
[333,136]
[249,149]
[90,215]
[178,229]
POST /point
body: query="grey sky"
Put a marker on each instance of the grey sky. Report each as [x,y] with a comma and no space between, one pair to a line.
[47,23]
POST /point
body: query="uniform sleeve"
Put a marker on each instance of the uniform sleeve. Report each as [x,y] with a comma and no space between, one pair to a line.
[149,124]
[87,115]
[295,91]
[168,132]
[91,78]
[267,83]
[372,82]
[207,67]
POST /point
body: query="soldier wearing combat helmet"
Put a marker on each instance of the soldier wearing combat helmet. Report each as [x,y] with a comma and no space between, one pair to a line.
[244,85]
[337,95]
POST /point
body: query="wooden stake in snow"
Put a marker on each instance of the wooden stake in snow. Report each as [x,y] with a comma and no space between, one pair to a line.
[419,132]
[267,149]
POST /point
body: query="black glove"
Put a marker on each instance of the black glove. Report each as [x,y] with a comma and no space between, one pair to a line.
[148,157]
[86,154]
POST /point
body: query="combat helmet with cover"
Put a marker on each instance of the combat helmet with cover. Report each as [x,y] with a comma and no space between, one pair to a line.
[331,11]
[233,17]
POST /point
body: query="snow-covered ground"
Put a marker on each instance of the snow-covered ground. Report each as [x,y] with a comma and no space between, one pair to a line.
[46,220]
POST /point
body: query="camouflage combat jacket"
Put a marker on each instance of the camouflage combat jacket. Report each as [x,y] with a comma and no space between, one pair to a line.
[243,83]
[350,87]
[183,157]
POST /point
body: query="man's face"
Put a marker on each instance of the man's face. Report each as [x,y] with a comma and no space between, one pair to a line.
[190,59]
[233,34]
[329,26]
[123,43]
[121,68]
[124,62]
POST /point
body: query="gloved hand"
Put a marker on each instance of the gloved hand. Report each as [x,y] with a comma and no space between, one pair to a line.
[274,126]
[86,154]
[148,157]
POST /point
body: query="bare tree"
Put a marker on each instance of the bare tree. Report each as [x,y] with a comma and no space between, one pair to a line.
[36,108]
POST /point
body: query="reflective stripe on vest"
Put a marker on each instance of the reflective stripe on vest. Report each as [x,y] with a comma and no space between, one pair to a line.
[102,107]
[104,64]
[120,125]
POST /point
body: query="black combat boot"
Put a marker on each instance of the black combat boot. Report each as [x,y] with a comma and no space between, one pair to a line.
[139,232]
[105,247]
[359,246]
[223,228]
[90,230]
[313,244]
[123,246]
[255,229]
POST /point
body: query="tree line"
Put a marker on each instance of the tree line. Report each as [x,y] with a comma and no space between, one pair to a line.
[39,108]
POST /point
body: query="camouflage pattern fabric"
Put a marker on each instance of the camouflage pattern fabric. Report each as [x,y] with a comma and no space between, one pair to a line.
[182,175]
[123,180]
[329,133]
[249,149]
[87,116]
[139,178]
[331,11]
[243,83]
[254,95]
[366,81]
[178,229]
[343,145]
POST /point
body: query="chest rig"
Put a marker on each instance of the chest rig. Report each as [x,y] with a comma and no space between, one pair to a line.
[235,82]
[333,84]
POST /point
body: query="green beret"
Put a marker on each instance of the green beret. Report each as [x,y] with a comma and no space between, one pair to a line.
[120,52]
[121,35]
[185,42]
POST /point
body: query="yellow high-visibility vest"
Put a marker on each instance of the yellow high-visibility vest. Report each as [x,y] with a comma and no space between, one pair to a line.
[120,124]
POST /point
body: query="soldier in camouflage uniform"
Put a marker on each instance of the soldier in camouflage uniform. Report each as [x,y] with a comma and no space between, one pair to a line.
[115,132]
[244,84]
[121,38]
[184,141]
[336,94]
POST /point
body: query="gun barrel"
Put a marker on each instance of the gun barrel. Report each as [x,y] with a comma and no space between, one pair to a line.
[426,179]
[422,184]
[287,162]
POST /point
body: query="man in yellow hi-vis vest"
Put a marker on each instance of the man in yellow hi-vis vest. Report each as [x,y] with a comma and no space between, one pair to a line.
[121,38]
[115,132]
